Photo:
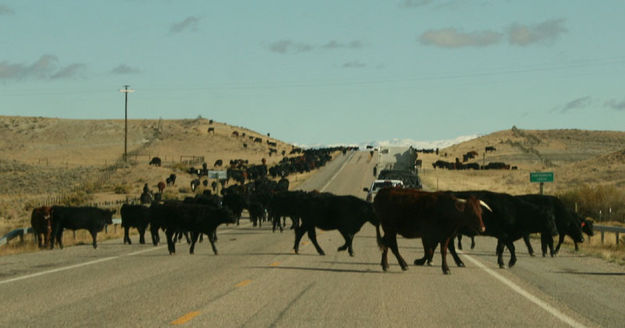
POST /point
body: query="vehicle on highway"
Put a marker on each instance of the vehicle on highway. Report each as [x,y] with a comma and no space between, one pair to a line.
[376,185]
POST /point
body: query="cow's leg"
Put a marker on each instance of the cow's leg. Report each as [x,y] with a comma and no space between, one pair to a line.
[512,261]
[349,238]
[499,251]
[194,237]
[171,246]
[560,241]
[212,237]
[186,236]
[576,247]
[59,238]
[127,236]
[94,235]
[299,233]
[459,241]
[546,242]
[392,243]
[312,235]
[141,235]
[526,240]
[426,254]
[452,250]
[155,237]
[472,242]
[444,243]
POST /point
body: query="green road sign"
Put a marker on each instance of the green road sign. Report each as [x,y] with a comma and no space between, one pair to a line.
[541,176]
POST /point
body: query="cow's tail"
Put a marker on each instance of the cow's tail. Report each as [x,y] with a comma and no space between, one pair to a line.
[378,237]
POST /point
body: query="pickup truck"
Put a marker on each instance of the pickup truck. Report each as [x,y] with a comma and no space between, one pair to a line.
[376,185]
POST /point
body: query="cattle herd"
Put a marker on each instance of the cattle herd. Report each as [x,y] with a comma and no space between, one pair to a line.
[435,217]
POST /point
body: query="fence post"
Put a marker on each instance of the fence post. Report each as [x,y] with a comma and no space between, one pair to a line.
[617,241]
[602,236]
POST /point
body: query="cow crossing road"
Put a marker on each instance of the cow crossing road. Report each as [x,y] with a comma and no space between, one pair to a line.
[257,281]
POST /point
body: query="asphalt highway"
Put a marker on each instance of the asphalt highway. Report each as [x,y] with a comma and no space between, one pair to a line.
[257,281]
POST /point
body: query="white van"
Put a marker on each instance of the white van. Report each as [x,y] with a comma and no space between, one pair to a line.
[379,184]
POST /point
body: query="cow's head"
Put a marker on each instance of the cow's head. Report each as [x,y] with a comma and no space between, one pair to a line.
[472,210]
[587,226]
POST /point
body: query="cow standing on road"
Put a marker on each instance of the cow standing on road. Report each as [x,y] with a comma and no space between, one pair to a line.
[326,211]
[90,218]
[177,216]
[435,217]
[135,216]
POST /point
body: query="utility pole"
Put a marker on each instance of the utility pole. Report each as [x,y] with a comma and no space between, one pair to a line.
[126,91]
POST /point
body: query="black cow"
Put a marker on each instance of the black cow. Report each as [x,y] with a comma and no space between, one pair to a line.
[326,211]
[136,216]
[171,180]
[566,222]
[218,162]
[90,218]
[177,216]
[156,161]
[195,183]
[42,225]
[286,203]
[511,219]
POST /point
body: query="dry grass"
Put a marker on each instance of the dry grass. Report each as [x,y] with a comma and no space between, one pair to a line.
[83,237]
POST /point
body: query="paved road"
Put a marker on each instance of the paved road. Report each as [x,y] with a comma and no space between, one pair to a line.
[256,281]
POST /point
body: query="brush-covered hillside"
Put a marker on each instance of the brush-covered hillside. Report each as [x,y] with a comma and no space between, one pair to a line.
[46,158]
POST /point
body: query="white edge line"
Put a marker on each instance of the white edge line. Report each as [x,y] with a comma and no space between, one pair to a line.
[555,312]
[77,265]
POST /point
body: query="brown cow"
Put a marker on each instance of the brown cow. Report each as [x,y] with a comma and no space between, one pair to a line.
[41,224]
[435,217]
[161,186]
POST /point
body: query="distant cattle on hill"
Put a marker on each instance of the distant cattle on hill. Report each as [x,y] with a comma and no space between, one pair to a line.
[156,161]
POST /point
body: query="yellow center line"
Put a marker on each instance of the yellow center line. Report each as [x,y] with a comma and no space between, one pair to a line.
[275,264]
[243,283]
[185,318]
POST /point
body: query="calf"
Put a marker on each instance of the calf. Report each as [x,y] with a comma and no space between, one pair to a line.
[135,216]
[435,217]
[92,219]
[326,211]
[42,225]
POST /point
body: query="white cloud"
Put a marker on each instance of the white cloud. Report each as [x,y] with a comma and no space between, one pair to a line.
[125,69]
[188,24]
[545,32]
[289,46]
[614,104]
[574,104]
[452,38]
[414,3]
[6,10]
[46,67]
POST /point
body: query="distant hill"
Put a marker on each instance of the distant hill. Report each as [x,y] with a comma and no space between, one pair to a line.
[577,157]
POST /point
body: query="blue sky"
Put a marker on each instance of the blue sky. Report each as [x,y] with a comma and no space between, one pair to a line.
[321,72]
